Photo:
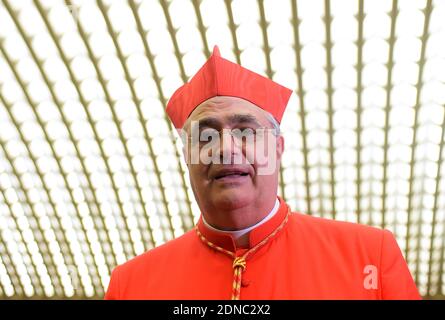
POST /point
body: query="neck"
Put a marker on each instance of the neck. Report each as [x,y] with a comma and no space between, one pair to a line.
[241,235]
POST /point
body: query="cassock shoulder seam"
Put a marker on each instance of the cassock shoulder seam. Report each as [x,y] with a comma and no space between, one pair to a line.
[118,283]
[343,225]
[113,290]
[382,241]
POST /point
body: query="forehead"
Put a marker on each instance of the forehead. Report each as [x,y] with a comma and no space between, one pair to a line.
[222,107]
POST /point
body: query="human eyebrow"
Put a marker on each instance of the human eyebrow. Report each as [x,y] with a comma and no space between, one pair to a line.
[208,122]
[244,119]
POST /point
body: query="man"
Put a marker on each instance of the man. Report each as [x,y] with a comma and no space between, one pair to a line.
[247,243]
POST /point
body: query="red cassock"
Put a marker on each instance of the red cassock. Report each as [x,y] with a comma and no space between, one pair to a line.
[309,258]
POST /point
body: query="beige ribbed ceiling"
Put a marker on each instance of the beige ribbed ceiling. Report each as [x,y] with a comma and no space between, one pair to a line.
[91,170]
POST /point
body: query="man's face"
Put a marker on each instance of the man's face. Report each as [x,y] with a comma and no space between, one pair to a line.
[232,154]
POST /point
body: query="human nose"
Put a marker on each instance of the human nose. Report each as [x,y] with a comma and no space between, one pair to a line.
[229,147]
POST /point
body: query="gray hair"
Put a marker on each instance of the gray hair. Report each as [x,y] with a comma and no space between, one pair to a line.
[273,121]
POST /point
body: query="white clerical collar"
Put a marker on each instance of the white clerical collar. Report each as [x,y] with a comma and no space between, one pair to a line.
[239,233]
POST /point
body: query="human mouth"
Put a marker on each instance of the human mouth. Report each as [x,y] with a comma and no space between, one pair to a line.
[232,178]
[230,175]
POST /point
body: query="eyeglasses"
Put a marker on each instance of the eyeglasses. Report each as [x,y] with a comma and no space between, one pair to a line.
[211,136]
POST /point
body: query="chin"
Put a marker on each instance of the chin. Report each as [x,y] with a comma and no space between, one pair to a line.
[231,199]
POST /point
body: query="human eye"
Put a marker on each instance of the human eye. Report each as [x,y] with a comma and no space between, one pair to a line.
[208,134]
[245,131]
